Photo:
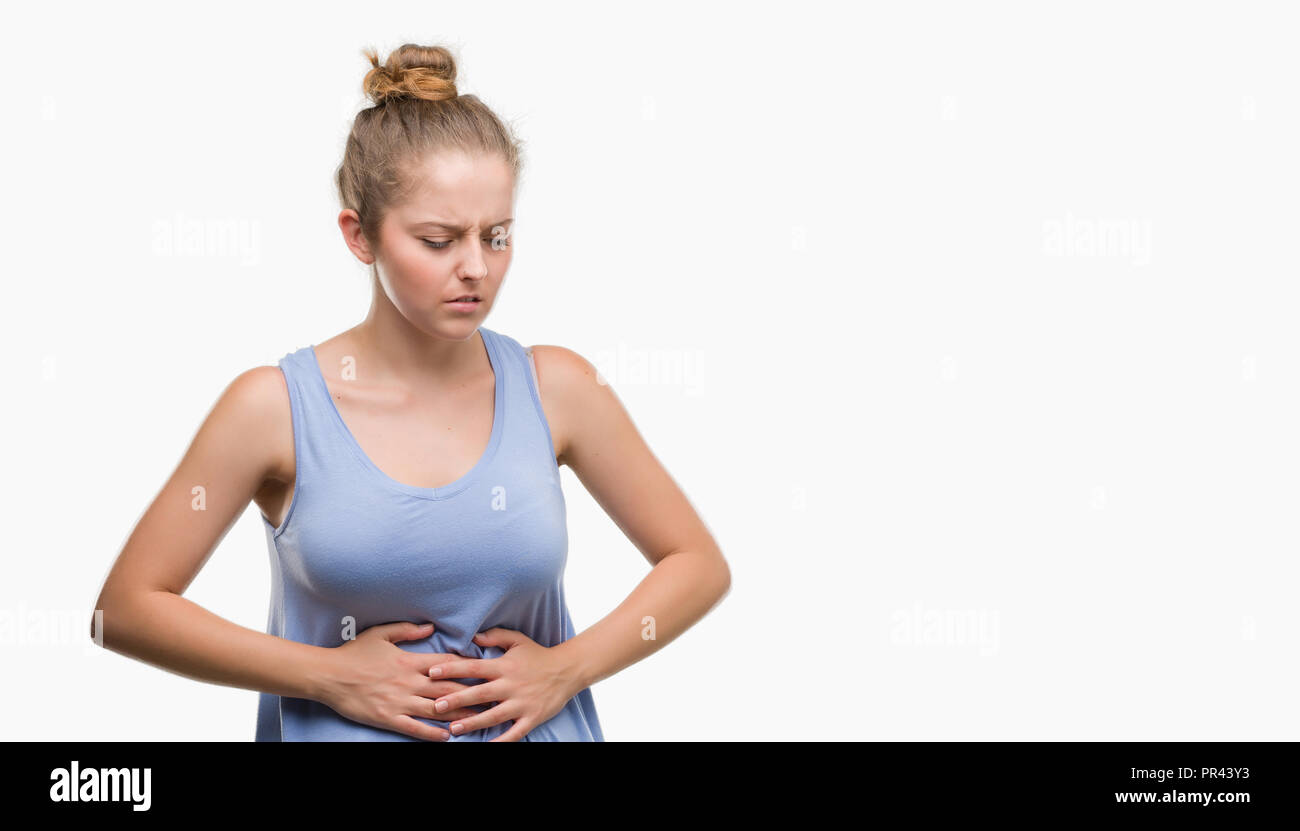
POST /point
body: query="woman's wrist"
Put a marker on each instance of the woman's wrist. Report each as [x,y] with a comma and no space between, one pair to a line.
[318,673]
[576,667]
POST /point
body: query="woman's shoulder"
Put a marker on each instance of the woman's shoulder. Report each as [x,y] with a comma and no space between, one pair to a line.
[569,386]
[255,406]
[562,365]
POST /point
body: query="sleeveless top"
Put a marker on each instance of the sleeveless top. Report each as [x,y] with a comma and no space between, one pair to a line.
[358,548]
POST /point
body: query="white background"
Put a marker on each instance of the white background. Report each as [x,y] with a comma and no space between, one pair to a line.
[989,313]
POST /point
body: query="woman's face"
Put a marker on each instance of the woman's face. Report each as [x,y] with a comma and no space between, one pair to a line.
[451,238]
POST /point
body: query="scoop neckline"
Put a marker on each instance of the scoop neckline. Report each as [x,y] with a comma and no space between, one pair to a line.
[452,488]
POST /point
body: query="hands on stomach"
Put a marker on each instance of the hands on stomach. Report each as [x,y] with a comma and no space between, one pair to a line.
[373,681]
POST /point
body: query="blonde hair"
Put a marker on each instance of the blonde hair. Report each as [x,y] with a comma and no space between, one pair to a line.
[416,111]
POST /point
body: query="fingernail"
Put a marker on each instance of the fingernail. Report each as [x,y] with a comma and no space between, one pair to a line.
[456,728]
[435,671]
[440,706]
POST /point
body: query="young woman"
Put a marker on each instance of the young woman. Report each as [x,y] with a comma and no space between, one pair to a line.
[407,471]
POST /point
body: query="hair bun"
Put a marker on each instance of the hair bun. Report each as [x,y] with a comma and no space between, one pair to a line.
[411,71]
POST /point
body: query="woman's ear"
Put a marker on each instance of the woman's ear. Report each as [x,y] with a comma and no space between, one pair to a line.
[350,225]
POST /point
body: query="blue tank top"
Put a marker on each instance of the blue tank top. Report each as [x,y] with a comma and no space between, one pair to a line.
[486,550]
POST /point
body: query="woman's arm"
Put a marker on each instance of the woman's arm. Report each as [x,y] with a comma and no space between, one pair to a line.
[245,443]
[602,446]
[236,451]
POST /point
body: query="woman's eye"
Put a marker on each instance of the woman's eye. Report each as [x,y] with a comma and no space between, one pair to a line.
[504,242]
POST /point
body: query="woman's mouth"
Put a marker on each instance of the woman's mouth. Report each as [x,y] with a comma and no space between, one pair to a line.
[467,303]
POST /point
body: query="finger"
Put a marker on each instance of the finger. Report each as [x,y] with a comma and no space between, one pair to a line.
[405,631]
[423,707]
[487,718]
[433,688]
[496,636]
[440,689]
[427,661]
[467,668]
[473,694]
[515,733]
[410,727]
[453,715]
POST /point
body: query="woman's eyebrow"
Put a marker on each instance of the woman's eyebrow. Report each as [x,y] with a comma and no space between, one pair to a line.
[448,227]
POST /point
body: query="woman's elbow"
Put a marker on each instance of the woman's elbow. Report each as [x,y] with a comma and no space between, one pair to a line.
[723,580]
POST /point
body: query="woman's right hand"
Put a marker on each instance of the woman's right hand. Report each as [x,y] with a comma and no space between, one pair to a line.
[375,682]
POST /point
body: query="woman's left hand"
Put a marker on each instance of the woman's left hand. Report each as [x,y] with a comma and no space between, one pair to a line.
[530,682]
